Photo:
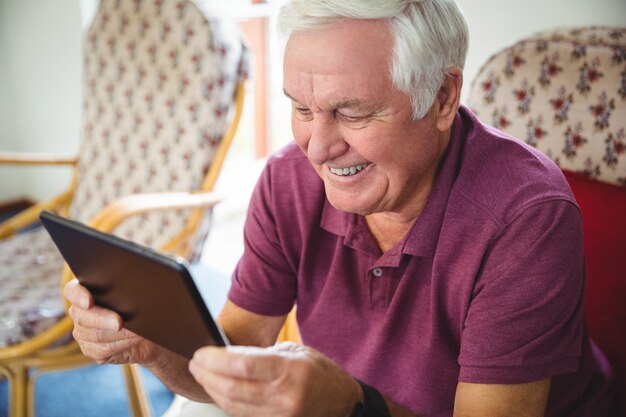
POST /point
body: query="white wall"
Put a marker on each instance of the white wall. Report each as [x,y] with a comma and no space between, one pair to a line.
[4,119]
[40,43]
[9,180]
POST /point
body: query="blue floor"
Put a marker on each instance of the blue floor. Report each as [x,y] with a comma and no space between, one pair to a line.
[92,391]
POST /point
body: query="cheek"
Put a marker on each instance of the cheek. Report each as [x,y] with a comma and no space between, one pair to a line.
[388,149]
[375,145]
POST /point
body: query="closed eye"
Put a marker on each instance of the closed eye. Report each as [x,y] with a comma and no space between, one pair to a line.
[348,118]
[302,113]
[352,119]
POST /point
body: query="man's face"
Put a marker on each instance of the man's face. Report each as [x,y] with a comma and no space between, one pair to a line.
[353,125]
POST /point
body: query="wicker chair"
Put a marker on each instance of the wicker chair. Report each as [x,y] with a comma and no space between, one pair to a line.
[163,92]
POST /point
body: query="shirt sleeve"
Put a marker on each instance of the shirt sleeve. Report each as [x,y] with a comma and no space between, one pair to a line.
[525,320]
[264,282]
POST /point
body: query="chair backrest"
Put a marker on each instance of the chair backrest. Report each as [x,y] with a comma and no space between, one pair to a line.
[564,92]
[159,84]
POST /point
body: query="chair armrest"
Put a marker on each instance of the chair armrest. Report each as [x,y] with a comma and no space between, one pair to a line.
[16,158]
[31,214]
[38,342]
[123,208]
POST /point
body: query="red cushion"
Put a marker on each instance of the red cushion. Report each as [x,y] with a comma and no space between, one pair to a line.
[604,224]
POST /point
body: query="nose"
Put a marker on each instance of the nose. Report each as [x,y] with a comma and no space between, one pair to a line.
[325,142]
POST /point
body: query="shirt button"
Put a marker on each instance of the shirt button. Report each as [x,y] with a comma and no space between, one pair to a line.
[378,272]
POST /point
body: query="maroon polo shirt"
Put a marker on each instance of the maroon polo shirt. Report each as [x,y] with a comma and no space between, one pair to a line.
[486,287]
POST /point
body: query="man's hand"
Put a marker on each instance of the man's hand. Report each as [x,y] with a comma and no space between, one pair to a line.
[283,380]
[99,331]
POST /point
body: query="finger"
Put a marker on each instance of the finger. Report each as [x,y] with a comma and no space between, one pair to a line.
[86,334]
[291,349]
[77,295]
[240,362]
[225,389]
[114,352]
[95,317]
[245,398]
[248,397]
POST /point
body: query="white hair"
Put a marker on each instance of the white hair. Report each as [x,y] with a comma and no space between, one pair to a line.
[430,36]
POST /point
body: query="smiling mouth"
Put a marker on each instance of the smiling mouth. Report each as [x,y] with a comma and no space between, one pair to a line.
[348,170]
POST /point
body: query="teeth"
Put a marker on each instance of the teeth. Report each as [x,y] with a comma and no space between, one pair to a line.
[349,170]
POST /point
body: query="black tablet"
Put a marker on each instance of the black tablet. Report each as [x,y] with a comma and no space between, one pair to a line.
[154,293]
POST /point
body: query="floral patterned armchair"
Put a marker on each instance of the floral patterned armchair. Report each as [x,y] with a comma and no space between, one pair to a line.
[163,92]
[564,92]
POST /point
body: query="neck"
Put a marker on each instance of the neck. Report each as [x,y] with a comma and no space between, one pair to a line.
[388,229]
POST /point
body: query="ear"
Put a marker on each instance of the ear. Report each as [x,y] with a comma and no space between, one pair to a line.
[448,98]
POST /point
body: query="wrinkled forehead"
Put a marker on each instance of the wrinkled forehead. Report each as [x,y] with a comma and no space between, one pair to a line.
[348,61]
[343,45]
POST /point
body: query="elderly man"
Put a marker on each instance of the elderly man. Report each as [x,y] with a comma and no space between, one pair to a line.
[436,264]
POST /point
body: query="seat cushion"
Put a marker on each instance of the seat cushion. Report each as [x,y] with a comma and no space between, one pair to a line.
[30,277]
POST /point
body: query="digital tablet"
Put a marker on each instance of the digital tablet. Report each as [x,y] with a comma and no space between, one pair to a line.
[154,293]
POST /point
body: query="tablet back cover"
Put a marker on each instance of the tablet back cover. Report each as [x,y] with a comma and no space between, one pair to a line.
[153,293]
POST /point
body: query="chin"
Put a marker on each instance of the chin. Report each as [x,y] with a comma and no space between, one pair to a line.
[362,200]
[350,205]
